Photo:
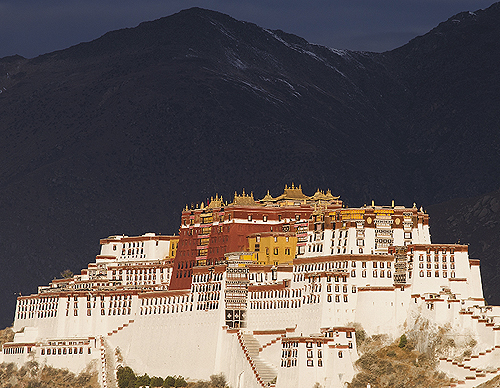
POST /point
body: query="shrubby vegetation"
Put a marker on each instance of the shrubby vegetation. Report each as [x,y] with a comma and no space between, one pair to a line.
[216,381]
[128,379]
[6,335]
[31,375]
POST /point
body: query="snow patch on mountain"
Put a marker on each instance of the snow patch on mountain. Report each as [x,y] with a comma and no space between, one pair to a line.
[234,60]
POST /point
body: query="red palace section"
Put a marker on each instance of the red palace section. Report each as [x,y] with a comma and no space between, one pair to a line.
[208,232]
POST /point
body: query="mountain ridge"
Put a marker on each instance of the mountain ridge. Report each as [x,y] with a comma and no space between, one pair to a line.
[116,135]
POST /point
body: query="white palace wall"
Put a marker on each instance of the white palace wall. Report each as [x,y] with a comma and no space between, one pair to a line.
[300,314]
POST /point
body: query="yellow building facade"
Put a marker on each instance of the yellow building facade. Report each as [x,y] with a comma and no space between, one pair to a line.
[273,248]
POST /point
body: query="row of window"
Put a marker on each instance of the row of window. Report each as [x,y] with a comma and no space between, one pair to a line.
[38,307]
[338,298]
[339,264]
[289,353]
[16,350]
[118,311]
[31,301]
[316,248]
[276,304]
[436,274]
[209,296]
[436,265]
[276,294]
[134,252]
[436,258]
[207,287]
[63,351]
[167,300]
[337,288]
[39,314]
[179,308]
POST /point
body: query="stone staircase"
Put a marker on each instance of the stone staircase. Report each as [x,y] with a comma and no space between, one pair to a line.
[120,327]
[103,370]
[482,366]
[264,372]
[467,375]
[107,361]
[110,367]
[270,343]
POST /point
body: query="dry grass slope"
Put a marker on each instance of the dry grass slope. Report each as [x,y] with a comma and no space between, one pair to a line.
[395,367]
[31,375]
[493,383]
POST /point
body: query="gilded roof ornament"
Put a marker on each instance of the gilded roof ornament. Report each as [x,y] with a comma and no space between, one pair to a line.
[267,198]
[217,202]
[244,199]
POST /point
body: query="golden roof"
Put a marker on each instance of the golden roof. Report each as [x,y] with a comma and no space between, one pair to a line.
[330,197]
[244,199]
[320,195]
[268,198]
[217,202]
[294,193]
[290,193]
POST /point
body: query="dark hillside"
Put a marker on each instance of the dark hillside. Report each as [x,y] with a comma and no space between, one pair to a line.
[452,77]
[118,134]
[473,221]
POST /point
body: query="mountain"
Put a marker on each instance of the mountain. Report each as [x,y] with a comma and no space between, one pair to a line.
[476,222]
[451,75]
[117,135]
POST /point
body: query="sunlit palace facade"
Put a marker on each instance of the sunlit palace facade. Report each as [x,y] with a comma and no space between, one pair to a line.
[266,291]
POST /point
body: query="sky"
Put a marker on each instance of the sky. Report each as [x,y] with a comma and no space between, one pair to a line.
[33,27]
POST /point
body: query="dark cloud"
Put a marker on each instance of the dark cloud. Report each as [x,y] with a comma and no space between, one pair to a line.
[32,27]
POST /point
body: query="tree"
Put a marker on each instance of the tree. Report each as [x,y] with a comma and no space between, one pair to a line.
[143,380]
[403,341]
[180,382]
[126,377]
[169,382]
[156,382]
[218,381]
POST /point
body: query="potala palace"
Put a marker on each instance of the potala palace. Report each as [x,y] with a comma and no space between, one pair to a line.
[265,291]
